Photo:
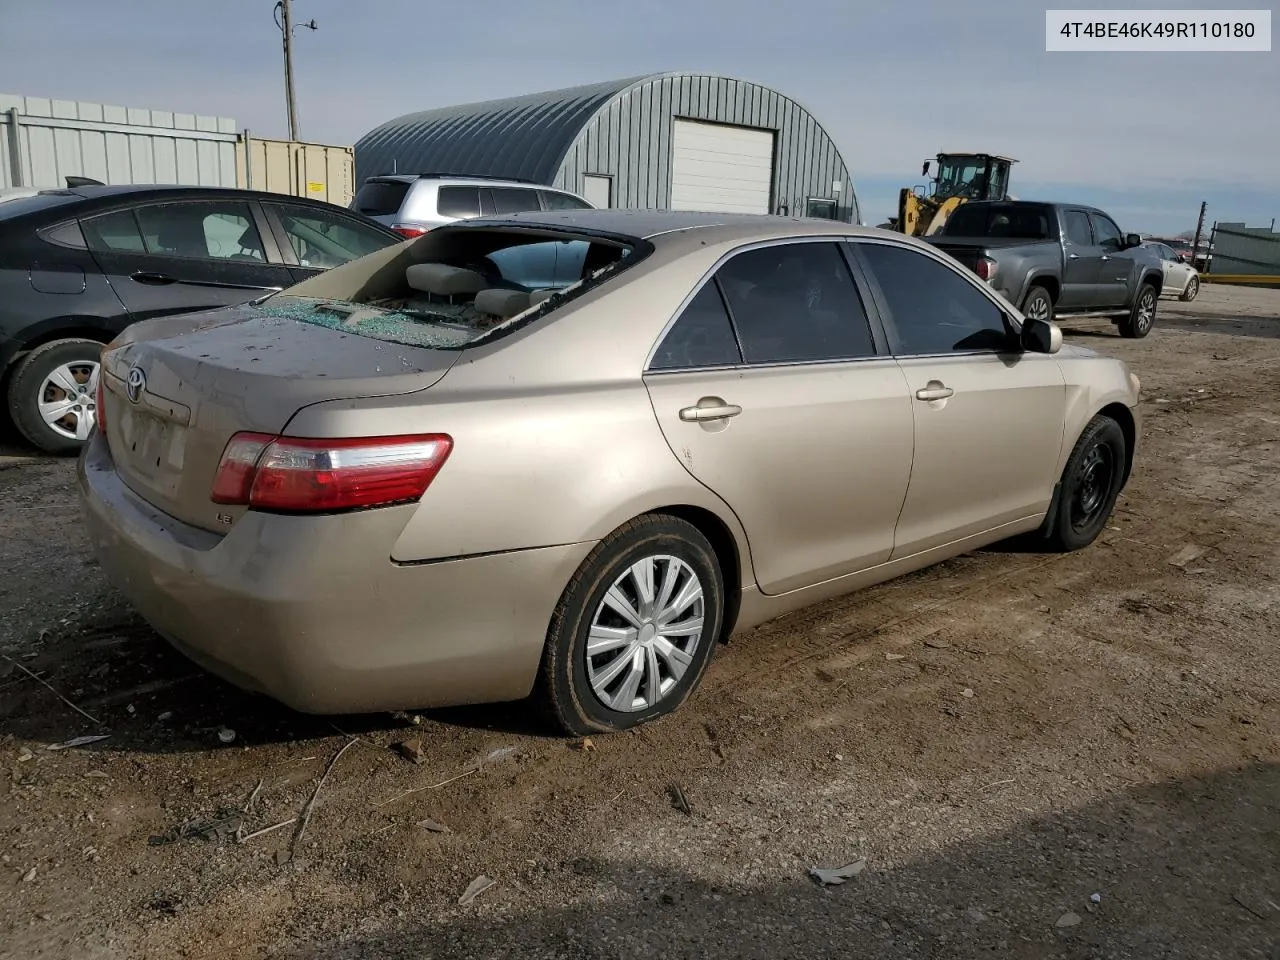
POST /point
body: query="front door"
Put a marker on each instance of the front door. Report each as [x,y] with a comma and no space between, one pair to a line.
[164,258]
[989,418]
[1115,263]
[313,239]
[771,391]
[1082,259]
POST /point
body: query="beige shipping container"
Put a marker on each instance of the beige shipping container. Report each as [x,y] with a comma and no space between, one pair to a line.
[316,170]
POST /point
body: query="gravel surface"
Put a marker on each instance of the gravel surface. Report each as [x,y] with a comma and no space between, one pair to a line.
[1035,756]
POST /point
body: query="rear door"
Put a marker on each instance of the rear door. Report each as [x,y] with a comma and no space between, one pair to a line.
[513,200]
[312,239]
[179,256]
[989,419]
[1081,262]
[773,392]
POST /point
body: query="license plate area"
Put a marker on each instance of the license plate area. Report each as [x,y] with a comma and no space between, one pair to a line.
[153,435]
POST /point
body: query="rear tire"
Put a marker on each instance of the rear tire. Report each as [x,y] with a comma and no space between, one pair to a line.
[1142,317]
[634,675]
[1038,305]
[52,394]
[1193,288]
[1090,485]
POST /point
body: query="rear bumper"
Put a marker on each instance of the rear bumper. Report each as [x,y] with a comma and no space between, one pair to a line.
[313,612]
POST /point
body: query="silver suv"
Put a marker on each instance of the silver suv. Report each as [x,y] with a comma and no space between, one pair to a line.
[411,204]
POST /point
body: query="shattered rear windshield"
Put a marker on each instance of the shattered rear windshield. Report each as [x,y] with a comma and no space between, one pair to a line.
[472,283]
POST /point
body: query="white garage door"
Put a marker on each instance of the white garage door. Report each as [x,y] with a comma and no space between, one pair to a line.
[721,169]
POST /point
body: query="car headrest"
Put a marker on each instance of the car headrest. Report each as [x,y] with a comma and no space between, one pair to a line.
[444,280]
[502,303]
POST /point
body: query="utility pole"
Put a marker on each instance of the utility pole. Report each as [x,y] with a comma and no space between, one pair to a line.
[1195,244]
[284,20]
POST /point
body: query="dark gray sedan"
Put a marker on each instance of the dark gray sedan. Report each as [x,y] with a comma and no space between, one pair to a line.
[79,265]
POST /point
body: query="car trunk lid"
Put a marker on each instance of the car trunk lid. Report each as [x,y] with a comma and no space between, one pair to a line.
[177,389]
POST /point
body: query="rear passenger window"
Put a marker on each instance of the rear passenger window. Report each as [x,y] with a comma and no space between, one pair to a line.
[201,230]
[459,202]
[563,201]
[796,302]
[702,337]
[933,308]
[1078,231]
[113,233]
[514,200]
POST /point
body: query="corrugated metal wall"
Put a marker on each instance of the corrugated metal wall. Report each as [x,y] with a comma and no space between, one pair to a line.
[42,141]
[630,140]
[1245,251]
[313,170]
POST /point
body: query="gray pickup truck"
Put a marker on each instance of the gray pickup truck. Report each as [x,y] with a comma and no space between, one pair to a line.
[1057,259]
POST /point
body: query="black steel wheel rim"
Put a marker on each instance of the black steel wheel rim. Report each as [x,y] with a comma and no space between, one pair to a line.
[1093,484]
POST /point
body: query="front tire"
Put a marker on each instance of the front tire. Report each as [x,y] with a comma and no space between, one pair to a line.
[1193,288]
[635,628]
[1142,317]
[1090,485]
[52,395]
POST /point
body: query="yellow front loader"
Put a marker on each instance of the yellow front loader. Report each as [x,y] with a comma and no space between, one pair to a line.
[961,177]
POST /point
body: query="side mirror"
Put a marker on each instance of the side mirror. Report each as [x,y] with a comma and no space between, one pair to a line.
[1132,240]
[924,171]
[1041,336]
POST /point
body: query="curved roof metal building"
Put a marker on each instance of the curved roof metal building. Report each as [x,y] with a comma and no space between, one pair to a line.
[672,140]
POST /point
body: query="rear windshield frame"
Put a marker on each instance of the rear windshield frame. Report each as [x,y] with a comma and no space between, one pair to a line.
[639,249]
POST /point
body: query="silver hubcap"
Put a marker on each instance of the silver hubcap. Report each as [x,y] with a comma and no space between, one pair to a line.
[1146,310]
[1038,309]
[644,633]
[69,398]
[1193,288]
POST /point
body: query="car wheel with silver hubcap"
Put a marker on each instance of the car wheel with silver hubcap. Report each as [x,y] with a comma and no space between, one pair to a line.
[635,628]
[53,394]
[1142,317]
[1038,305]
[1193,287]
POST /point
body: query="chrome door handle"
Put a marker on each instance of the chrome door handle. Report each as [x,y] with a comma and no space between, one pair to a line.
[934,390]
[1073,256]
[1105,257]
[718,411]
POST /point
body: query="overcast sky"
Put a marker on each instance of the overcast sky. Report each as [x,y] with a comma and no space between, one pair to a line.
[1145,136]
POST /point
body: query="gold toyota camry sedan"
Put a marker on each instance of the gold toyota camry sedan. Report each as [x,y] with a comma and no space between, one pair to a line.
[565,454]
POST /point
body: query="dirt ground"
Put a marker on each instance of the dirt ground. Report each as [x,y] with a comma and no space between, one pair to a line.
[1035,756]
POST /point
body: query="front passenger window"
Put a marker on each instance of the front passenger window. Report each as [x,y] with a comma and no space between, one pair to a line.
[933,309]
[1108,233]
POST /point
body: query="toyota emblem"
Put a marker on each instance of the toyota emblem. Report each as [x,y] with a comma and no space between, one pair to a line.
[135,383]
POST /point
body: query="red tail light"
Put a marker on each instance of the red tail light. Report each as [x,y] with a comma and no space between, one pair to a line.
[985,269]
[309,475]
[407,231]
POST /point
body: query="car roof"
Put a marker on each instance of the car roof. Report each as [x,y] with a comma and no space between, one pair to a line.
[647,224]
[466,178]
[167,190]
